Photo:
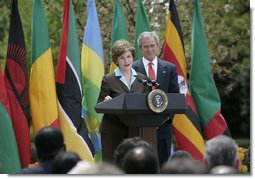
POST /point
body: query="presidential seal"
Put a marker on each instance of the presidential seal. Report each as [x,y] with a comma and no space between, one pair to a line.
[157,101]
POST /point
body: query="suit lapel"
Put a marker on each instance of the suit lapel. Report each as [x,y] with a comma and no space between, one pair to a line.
[161,72]
[141,67]
[121,84]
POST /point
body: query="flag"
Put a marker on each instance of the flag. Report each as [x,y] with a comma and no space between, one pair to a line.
[9,155]
[187,128]
[16,82]
[119,29]
[42,89]
[69,89]
[92,65]
[202,86]
[141,24]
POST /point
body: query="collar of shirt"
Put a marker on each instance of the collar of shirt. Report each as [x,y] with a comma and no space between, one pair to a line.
[117,72]
[154,66]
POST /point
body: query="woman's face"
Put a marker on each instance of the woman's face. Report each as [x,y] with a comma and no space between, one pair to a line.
[125,61]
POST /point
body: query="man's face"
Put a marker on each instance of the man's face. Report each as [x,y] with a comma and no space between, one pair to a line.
[149,48]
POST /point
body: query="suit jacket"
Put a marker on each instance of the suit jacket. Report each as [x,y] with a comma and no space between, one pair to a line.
[113,86]
[167,77]
[41,168]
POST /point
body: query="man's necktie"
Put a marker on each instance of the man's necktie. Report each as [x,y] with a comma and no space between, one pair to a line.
[151,73]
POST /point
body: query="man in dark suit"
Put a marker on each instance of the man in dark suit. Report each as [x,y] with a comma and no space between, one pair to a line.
[165,74]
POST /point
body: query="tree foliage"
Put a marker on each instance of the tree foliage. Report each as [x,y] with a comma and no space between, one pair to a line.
[227,25]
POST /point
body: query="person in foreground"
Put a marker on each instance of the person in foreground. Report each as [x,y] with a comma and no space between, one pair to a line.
[49,141]
[140,160]
[221,150]
[123,80]
[64,162]
[165,74]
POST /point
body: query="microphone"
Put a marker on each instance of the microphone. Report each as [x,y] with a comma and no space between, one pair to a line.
[154,83]
[144,81]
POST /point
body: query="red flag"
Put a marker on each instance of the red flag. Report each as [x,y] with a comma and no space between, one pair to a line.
[187,127]
[16,81]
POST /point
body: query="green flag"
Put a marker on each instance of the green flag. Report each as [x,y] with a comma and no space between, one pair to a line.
[141,24]
[42,89]
[119,29]
[9,156]
[203,88]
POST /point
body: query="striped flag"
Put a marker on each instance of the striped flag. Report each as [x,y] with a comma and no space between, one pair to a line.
[42,89]
[16,82]
[119,29]
[69,89]
[9,155]
[202,86]
[141,24]
[92,65]
[187,127]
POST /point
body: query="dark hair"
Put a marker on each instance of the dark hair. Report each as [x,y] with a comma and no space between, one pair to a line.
[64,162]
[140,160]
[49,141]
[125,146]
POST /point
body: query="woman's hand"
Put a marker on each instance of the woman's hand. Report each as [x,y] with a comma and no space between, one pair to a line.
[107,98]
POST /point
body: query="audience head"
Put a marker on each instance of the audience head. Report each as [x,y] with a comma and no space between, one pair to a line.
[49,141]
[183,166]
[140,160]
[103,168]
[125,146]
[180,154]
[64,162]
[223,170]
[120,47]
[221,150]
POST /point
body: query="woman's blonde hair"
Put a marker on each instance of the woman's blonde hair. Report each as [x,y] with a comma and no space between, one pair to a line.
[120,47]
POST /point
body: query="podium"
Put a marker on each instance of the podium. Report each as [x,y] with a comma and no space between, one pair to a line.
[133,110]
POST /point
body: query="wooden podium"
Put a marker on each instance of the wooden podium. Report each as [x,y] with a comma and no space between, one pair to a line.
[133,110]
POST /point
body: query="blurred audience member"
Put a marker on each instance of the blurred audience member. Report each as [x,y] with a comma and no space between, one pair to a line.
[181,154]
[104,168]
[183,166]
[125,146]
[221,150]
[49,142]
[64,162]
[140,160]
[223,170]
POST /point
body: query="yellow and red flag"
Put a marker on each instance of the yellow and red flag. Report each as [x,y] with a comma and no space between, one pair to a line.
[187,128]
